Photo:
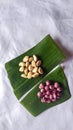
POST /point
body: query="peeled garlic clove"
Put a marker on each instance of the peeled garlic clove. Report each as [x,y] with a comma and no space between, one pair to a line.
[30,59]
[26,71]
[27,64]
[35,75]
[21,64]
[30,68]
[40,70]
[29,76]
[38,63]
[35,70]
[21,69]
[23,75]
[26,58]
[35,58]
[33,63]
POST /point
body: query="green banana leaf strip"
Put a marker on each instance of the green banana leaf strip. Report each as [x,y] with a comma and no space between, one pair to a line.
[50,54]
[34,105]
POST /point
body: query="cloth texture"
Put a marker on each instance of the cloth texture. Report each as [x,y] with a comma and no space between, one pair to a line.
[23,23]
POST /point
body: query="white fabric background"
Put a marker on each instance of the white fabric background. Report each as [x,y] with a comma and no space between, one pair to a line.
[23,23]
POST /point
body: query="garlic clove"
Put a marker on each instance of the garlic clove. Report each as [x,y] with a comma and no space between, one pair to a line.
[33,63]
[40,70]
[30,68]
[30,59]
[21,64]
[35,58]
[23,75]
[27,64]
[21,69]
[35,75]
[35,70]
[26,71]
[38,63]
[29,76]
[26,58]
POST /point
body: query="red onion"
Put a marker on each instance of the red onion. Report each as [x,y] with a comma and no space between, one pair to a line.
[58,95]
[54,91]
[46,96]
[39,94]
[59,89]
[43,94]
[42,90]
[50,96]
[48,92]
[46,88]
[51,87]
[43,100]
[54,96]
[48,82]
[41,86]
[48,101]
[53,99]
[56,84]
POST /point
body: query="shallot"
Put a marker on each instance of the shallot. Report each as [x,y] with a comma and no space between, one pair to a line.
[49,92]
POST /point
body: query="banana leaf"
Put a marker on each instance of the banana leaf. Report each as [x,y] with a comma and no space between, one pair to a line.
[50,54]
[33,104]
